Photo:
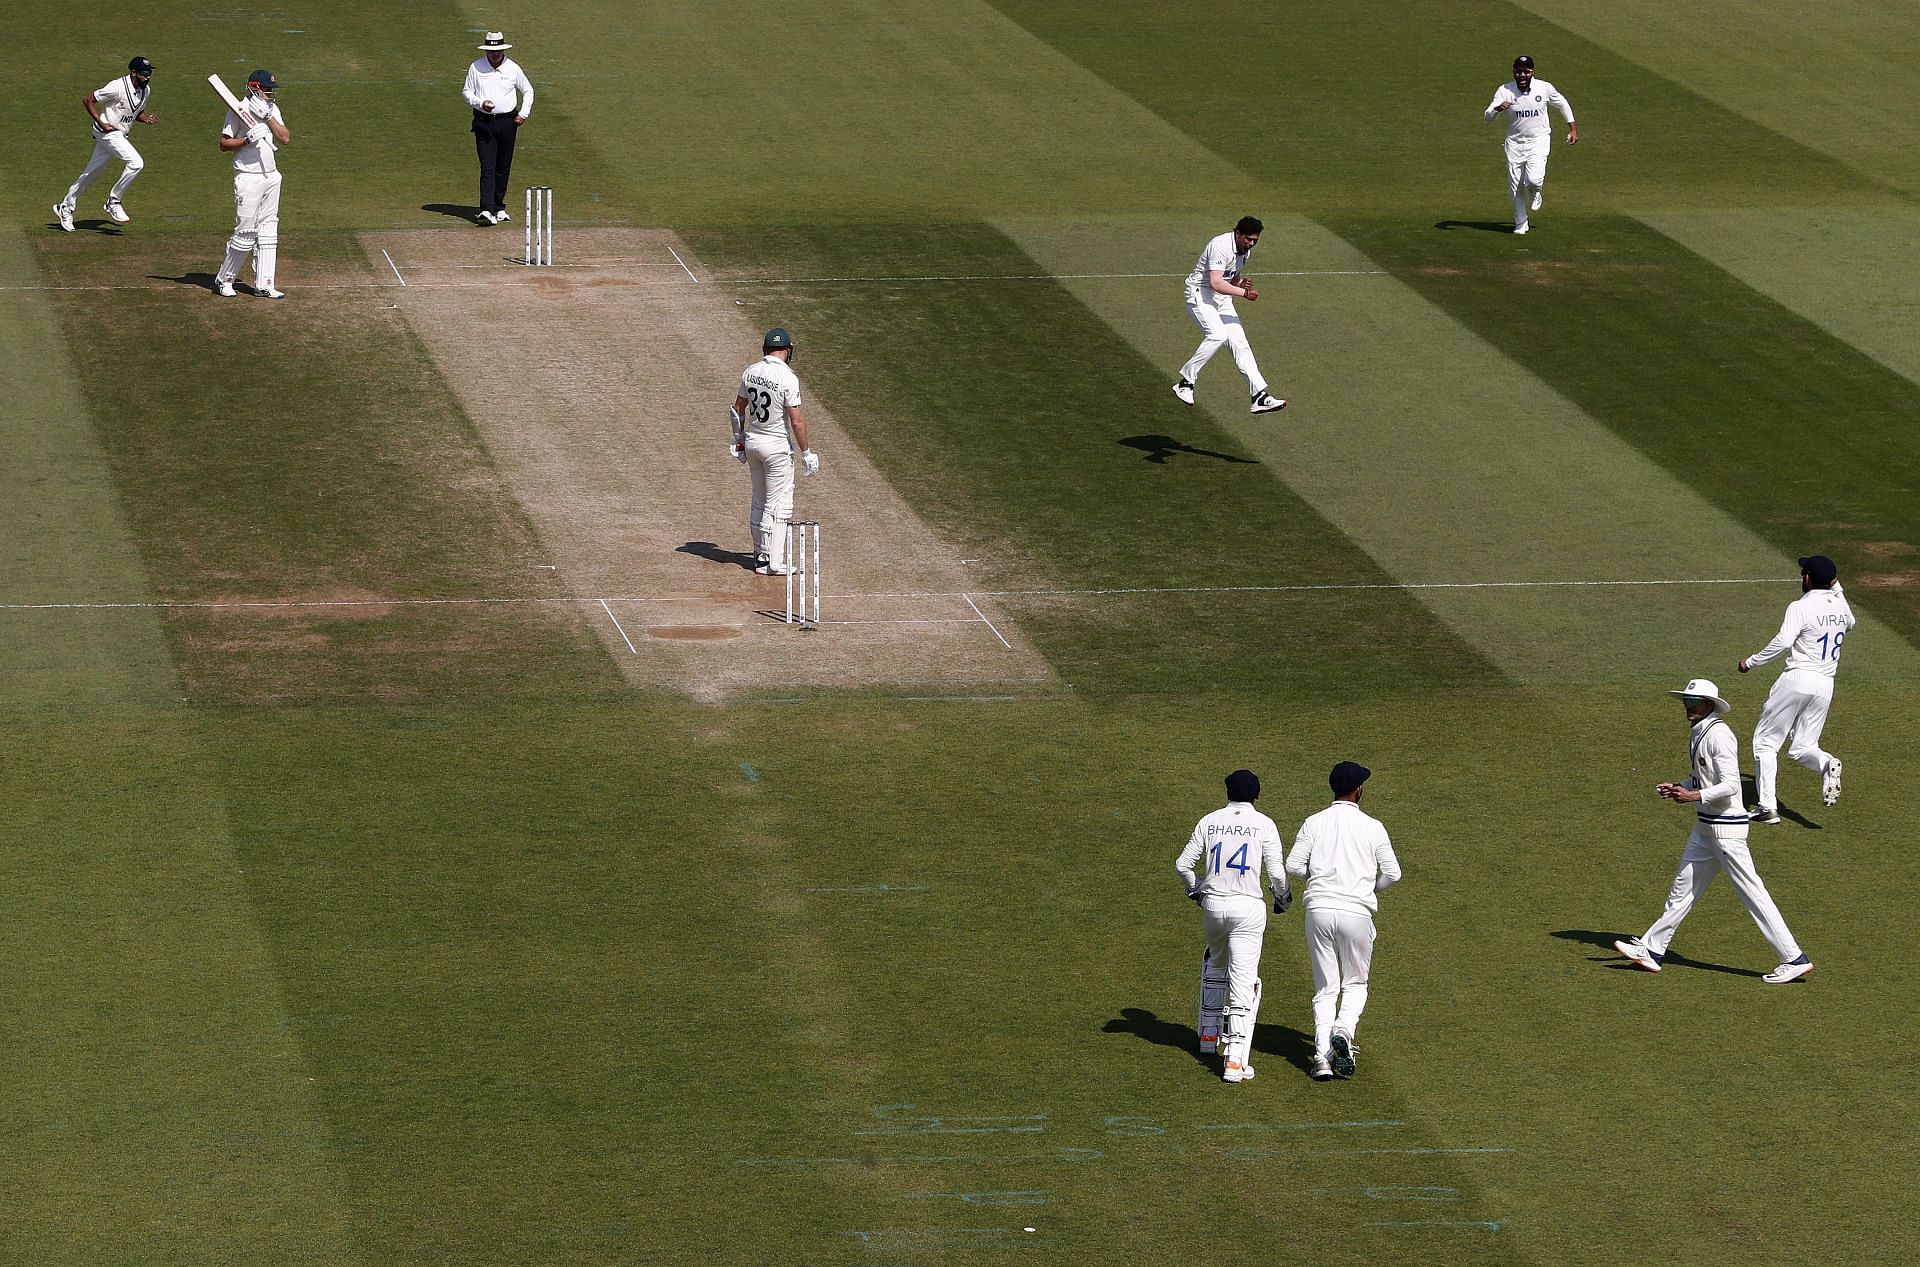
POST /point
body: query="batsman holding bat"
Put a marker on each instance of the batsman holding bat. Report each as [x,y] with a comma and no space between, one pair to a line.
[253,132]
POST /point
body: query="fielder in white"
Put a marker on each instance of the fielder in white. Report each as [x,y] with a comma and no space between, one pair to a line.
[768,432]
[1218,278]
[1816,624]
[1345,858]
[1220,869]
[1524,101]
[114,109]
[1718,842]
[254,141]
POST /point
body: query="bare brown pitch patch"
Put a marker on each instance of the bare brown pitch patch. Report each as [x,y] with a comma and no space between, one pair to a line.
[601,388]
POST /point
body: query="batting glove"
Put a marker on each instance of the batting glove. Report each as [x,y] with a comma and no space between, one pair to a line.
[738,452]
[1193,895]
[810,462]
[258,134]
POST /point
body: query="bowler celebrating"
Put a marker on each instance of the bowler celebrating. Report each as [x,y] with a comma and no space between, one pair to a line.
[1218,278]
[1524,101]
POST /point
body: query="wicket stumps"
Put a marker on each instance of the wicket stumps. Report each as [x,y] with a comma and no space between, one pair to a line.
[803,569]
[538,228]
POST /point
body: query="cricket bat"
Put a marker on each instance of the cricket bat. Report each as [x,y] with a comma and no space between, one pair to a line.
[241,112]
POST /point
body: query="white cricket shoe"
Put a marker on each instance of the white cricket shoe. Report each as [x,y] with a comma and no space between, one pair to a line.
[117,213]
[64,214]
[268,292]
[1520,228]
[223,289]
[1266,403]
[501,216]
[486,217]
[1641,955]
[1183,389]
[1341,1053]
[1322,1071]
[1789,971]
[773,569]
[1771,817]
[1830,783]
[1536,200]
[1236,1072]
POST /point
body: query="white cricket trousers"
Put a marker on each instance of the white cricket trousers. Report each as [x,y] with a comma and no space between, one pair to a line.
[1220,324]
[1796,705]
[1340,949]
[1526,172]
[105,149]
[770,462]
[1235,926]
[256,227]
[1705,857]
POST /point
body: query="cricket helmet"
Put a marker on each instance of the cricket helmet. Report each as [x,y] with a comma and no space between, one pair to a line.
[776,340]
[262,81]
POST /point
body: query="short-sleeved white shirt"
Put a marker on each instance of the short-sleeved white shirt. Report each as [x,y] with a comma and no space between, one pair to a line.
[771,389]
[118,102]
[248,158]
[1220,255]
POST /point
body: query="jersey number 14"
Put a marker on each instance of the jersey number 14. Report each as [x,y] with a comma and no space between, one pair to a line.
[1238,862]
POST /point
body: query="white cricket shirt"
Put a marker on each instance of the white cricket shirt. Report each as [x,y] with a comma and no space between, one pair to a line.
[1345,857]
[1815,626]
[1714,752]
[1228,847]
[248,157]
[771,389]
[1220,255]
[1527,120]
[503,87]
[118,102]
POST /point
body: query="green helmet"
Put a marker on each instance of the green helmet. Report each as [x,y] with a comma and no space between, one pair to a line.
[776,340]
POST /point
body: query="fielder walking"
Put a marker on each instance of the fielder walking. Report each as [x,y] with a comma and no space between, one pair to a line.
[769,431]
[1345,859]
[1816,624]
[1220,869]
[1718,842]
[502,99]
[1524,101]
[254,141]
[1218,278]
[114,108]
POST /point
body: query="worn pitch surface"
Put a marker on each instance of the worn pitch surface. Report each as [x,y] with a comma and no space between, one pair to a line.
[600,385]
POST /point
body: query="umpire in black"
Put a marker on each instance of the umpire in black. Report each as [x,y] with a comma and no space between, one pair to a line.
[501,98]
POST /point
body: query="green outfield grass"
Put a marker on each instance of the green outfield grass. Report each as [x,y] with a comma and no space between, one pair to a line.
[399,933]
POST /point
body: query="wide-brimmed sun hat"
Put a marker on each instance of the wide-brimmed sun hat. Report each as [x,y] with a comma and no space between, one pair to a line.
[1701,688]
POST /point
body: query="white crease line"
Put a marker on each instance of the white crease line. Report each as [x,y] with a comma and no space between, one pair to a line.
[617,625]
[395,267]
[420,267]
[763,281]
[1032,593]
[983,616]
[682,263]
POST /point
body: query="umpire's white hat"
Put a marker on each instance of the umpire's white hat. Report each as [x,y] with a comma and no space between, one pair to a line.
[496,43]
[1701,688]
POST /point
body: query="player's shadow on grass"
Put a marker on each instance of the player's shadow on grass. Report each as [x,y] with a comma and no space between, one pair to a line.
[1160,448]
[1271,1040]
[470,214]
[1605,941]
[1485,226]
[1759,830]
[202,281]
[717,553]
[107,227]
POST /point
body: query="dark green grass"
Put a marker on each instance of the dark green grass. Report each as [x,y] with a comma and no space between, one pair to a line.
[1770,418]
[1025,428]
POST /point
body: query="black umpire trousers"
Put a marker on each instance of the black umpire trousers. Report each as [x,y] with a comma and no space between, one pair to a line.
[493,136]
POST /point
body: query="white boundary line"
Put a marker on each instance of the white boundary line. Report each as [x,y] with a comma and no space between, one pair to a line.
[617,625]
[395,267]
[283,604]
[682,263]
[983,616]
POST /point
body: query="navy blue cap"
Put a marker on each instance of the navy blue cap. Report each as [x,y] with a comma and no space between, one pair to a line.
[1347,776]
[140,66]
[1523,62]
[1820,568]
[1243,785]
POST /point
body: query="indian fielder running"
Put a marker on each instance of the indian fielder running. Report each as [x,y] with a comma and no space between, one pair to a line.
[1816,624]
[1220,869]
[1524,100]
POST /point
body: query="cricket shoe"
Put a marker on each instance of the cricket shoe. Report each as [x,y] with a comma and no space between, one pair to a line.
[268,292]
[64,214]
[1183,389]
[1637,951]
[1830,783]
[774,569]
[223,289]
[486,217]
[501,216]
[1236,1072]
[1789,971]
[117,213]
[1322,1071]
[1520,228]
[1266,403]
[1536,200]
[1771,817]
[1341,1053]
